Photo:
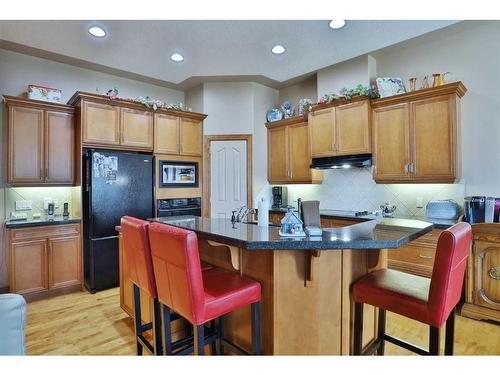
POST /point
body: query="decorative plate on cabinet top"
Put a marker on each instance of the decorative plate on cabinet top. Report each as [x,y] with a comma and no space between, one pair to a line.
[274,115]
[389,86]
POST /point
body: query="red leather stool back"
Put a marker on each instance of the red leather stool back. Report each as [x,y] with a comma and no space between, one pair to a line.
[176,263]
[452,250]
[135,238]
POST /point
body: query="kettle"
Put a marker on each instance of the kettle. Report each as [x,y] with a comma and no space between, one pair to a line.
[387,209]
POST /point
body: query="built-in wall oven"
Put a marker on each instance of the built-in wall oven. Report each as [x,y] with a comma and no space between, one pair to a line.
[179,207]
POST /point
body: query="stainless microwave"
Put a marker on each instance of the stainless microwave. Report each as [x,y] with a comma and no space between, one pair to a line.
[177,174]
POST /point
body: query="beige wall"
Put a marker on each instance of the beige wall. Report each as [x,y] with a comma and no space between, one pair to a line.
[17,71]
[306,89]
[238,108]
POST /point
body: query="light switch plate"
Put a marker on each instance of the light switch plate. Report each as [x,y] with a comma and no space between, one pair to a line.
[420,202]
[24,205]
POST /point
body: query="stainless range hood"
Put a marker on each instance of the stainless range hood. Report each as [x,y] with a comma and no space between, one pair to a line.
[333,162]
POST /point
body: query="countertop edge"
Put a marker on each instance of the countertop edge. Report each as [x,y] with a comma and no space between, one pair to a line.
[28,224]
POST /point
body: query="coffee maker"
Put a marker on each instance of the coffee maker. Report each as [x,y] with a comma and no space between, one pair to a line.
[280,199]
[474,208]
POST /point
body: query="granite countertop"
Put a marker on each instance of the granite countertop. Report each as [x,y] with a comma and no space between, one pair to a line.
[58,220]
[349,215]
[373,234]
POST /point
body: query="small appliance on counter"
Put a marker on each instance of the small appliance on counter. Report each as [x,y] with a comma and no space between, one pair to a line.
[442,209]
[474,209]
[387,209]
[280,197]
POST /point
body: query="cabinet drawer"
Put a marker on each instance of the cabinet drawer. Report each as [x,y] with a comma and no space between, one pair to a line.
[429,239]
[22,234]
[413,254]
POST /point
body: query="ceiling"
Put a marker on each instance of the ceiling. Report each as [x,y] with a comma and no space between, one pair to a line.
[212,50]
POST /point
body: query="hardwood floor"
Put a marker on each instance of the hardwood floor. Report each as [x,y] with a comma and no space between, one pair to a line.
[93,324]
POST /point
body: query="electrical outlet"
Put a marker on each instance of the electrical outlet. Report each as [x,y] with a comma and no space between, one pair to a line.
[420,202]
[23,205]
[46,202]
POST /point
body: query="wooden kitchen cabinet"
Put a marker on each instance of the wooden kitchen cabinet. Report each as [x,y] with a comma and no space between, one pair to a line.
[166,134]
[288,152]
[45,260]
[482,296]
[100,124]
[176,135]
[417,257]
[127,125]
[391,142]
[416,135]
[340,128]
[41,143]
[136,128]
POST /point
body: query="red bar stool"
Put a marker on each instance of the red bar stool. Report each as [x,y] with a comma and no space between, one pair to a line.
[199,297]
[140,267]
[431,301]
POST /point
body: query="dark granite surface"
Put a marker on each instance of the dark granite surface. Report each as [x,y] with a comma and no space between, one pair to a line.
[58,220]
[349,215]
[374,234]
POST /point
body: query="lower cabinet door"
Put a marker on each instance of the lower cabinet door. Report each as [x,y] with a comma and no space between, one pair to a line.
[65,268]
[28,267]
[487,274]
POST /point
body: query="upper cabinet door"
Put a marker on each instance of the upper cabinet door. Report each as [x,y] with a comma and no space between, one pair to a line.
[434,138]
[25,161]
[101,124]
[191,134]
[352,129]
[59,147]
[136,128]
[321,125]
[277,150]
[166,134]
[391,152]
[299,155]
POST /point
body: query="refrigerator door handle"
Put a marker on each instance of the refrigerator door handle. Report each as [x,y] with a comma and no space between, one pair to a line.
[104,238]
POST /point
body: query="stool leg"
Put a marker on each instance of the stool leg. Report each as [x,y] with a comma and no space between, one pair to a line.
[158,344]
[450,333]
[381,331]
[199,339]
[433,341]
[358,328]
[220,327]
[137,317]
[213,345]
[167,331]
[256,327]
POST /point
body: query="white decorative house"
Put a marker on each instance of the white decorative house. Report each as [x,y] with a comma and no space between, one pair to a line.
[291,225]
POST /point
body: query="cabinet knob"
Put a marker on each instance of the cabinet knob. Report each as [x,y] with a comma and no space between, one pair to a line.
[494,273]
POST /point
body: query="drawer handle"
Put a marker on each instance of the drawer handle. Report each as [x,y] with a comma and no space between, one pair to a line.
[494,273]
[425,256]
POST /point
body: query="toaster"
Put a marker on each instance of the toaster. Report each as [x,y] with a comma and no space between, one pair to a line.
[442,209]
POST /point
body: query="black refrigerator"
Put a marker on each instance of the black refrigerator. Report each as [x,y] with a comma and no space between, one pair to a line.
[114,184]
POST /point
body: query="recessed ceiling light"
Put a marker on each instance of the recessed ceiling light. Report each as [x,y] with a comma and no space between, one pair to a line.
[337,24]
[177,57]
[278,49]
[97,31]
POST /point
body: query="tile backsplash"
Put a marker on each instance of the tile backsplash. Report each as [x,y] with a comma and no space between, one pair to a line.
[36,194]
[355,189]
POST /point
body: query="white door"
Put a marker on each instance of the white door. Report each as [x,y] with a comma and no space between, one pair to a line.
[228,177]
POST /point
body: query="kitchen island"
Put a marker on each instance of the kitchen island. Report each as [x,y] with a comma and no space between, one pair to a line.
[306,304]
